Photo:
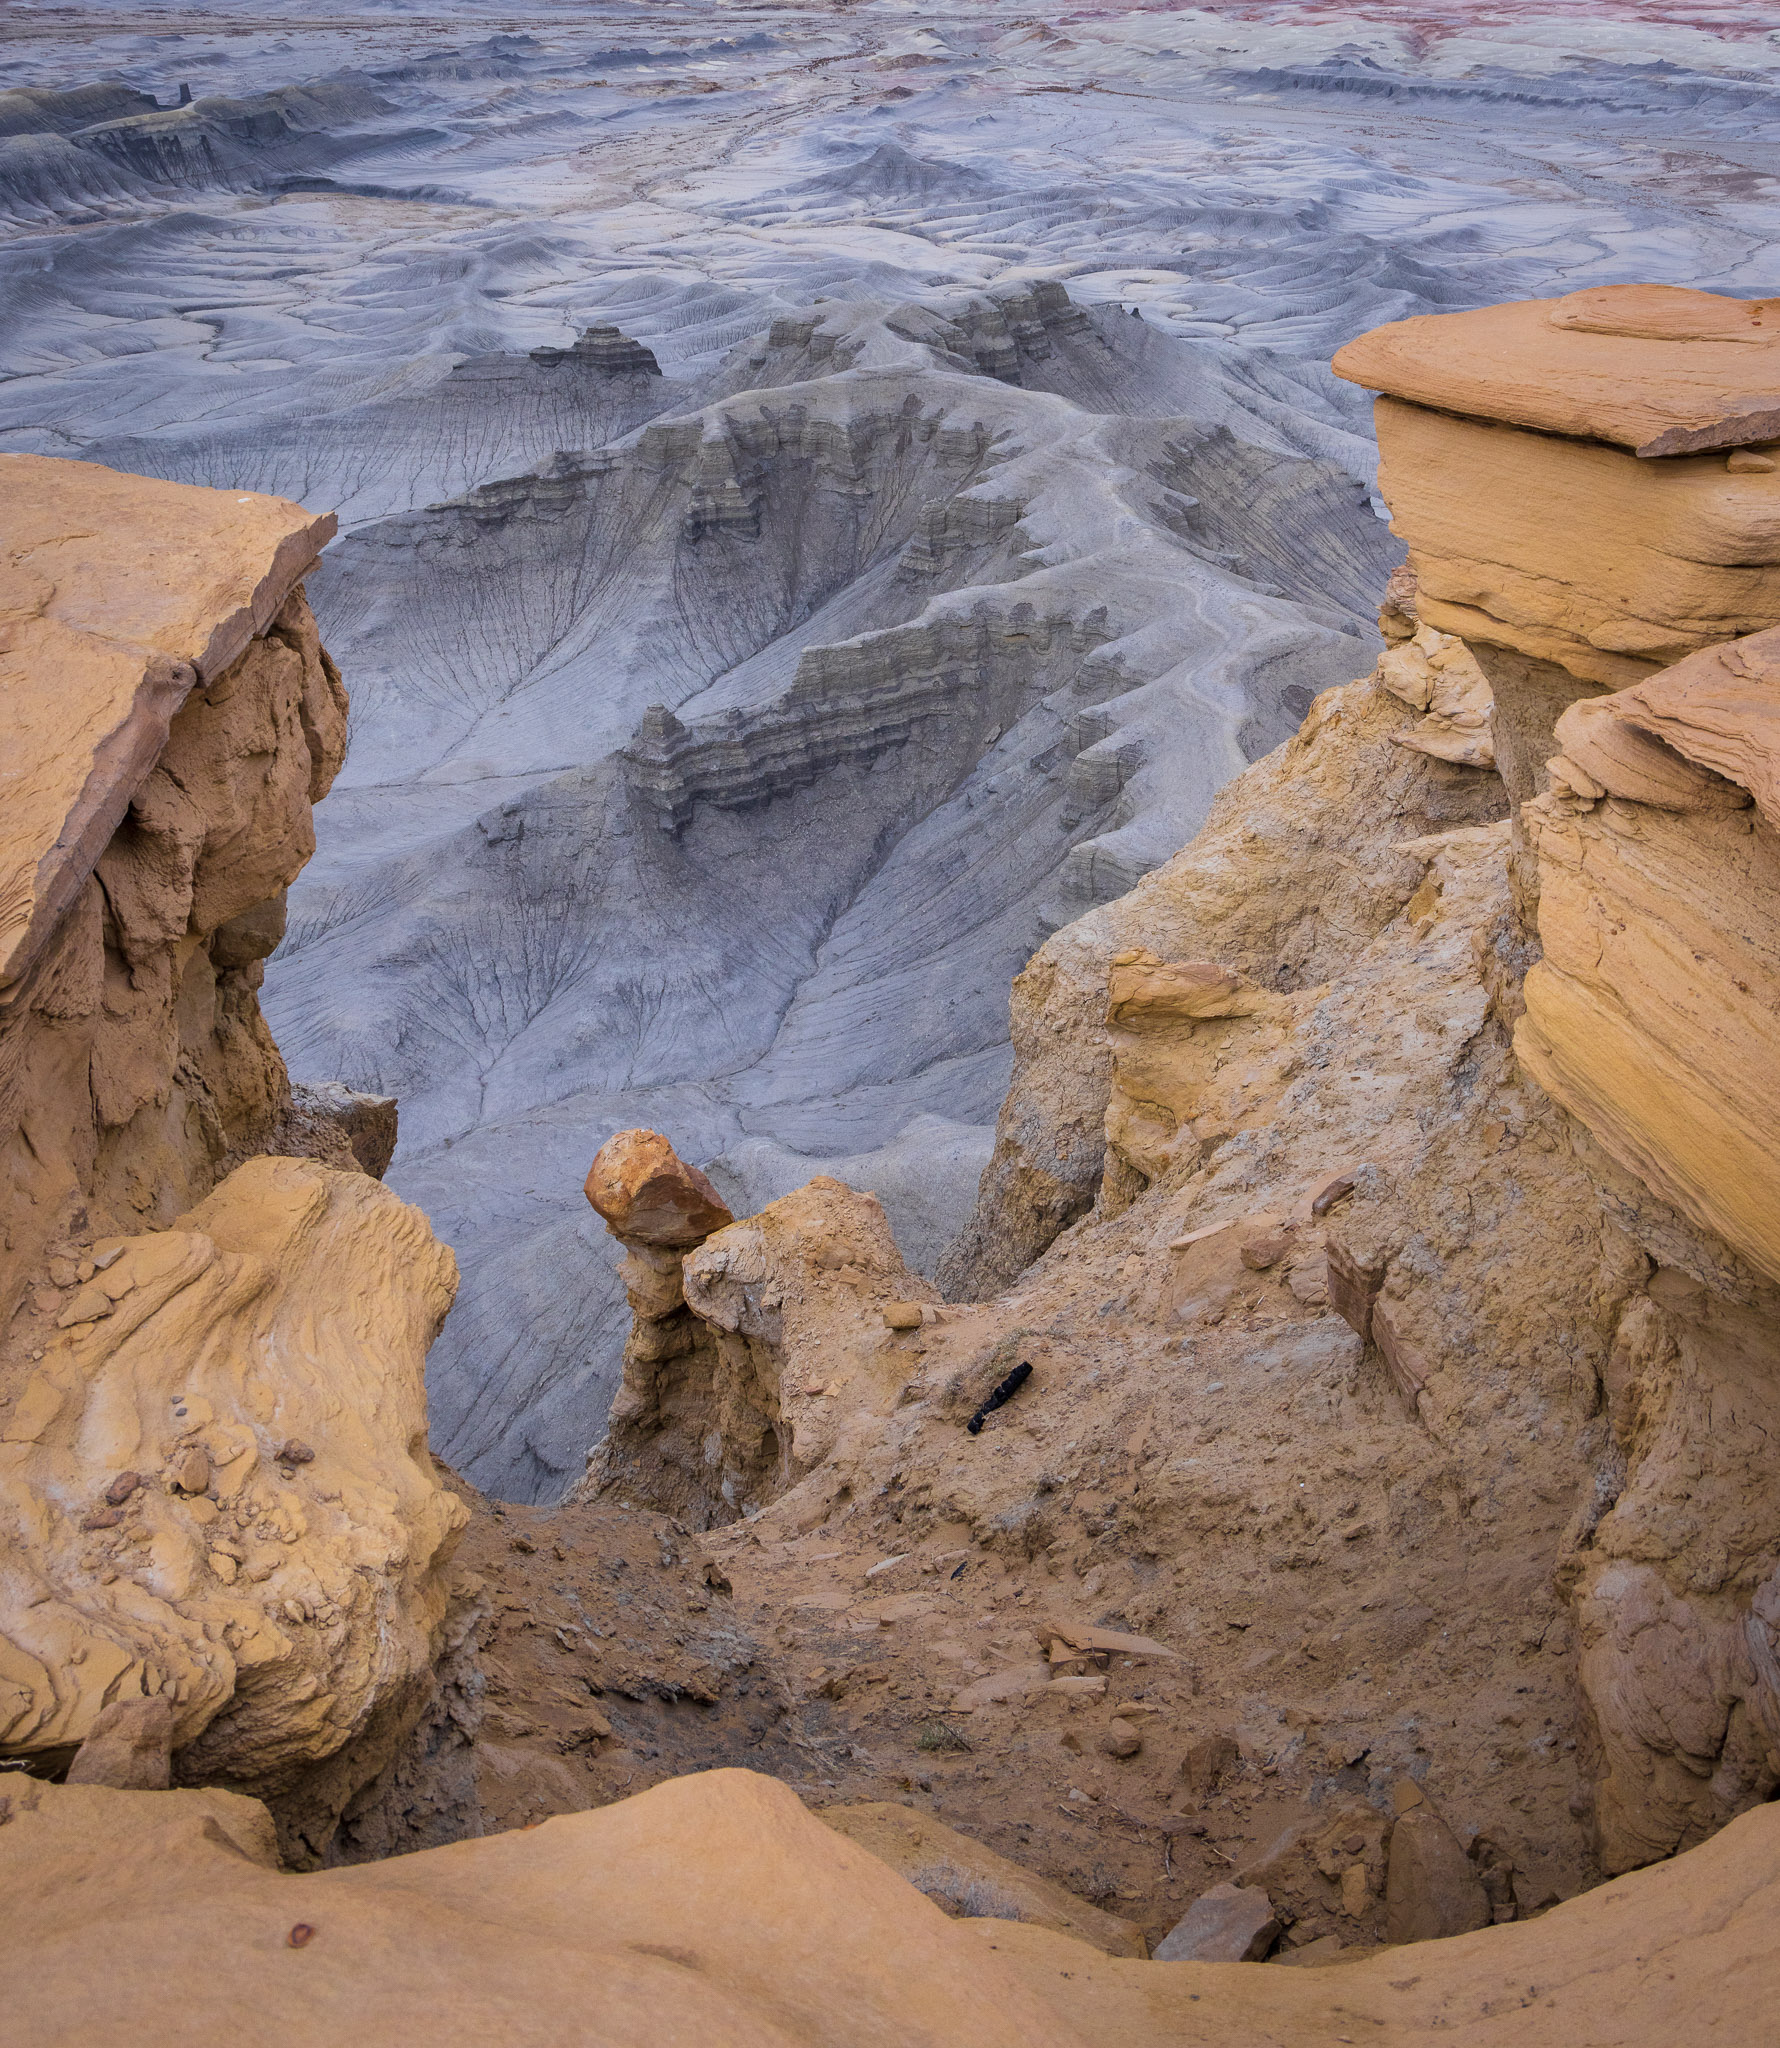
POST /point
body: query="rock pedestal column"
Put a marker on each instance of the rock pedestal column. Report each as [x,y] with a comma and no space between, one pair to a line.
[1587,493]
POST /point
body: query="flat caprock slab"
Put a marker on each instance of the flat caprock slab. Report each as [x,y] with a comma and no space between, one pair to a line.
[118,594]
[1653,367]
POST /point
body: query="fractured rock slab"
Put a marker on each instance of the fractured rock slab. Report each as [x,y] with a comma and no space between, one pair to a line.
[1432,1888]
[1231,1923]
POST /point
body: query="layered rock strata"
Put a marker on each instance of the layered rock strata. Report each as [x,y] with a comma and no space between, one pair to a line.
[605,349]
[1652,1013]
[856,701]
[1560,472]
[216,1497]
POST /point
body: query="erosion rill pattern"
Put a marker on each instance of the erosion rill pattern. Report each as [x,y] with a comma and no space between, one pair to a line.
[805,351]
[1322,1502]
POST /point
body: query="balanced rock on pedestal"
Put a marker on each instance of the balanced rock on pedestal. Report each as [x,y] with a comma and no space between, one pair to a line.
[648,1194]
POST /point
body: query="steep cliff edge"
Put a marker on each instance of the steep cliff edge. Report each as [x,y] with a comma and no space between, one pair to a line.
[173,718]
[218,1507]
[1399,1363]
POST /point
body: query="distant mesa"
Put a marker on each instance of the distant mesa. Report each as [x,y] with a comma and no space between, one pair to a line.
[603,348]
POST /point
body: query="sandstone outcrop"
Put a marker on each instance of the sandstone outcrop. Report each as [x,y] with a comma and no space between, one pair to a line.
[172,718]
[1558,469]
[749,1351]
[228,1554]
[216,1491]
[1656,368]
[717,1907]
[1168,1470]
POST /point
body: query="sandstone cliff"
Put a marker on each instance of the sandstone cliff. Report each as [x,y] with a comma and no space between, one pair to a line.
[215,1492]
[173,720]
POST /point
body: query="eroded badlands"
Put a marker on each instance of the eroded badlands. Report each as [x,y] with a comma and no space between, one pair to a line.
[1230,1501]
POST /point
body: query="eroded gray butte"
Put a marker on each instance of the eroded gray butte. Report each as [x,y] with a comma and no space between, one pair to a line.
[721,777]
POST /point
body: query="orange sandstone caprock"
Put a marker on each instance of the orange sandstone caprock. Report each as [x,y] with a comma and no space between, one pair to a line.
[646,1192]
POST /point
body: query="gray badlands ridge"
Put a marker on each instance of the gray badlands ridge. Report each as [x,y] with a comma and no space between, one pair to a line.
[780,579]
[1167,1375]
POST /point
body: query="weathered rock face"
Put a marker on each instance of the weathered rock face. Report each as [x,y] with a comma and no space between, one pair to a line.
[216,1503]
[716,1907]
[750,1352]
[1651,1019]
[216,1489]
[1652,1013]
[1279,886]
[171,720]
[1547,464]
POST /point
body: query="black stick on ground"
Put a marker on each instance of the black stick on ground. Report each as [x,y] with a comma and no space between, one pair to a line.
[1005,1392]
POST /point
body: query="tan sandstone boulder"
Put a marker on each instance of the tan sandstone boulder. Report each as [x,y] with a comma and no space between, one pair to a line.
[647,1194]
[215,1491]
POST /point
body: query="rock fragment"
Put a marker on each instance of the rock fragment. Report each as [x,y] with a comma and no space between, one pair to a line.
[129,1747]
[1431,1890]
[1207,1762]
[1120,1739]
[190,1470]
[1231,1923]
[646,1192]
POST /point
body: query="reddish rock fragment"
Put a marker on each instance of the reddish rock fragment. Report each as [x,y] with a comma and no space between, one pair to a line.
[1228,1924]
[1353,1287]
[646,1192]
